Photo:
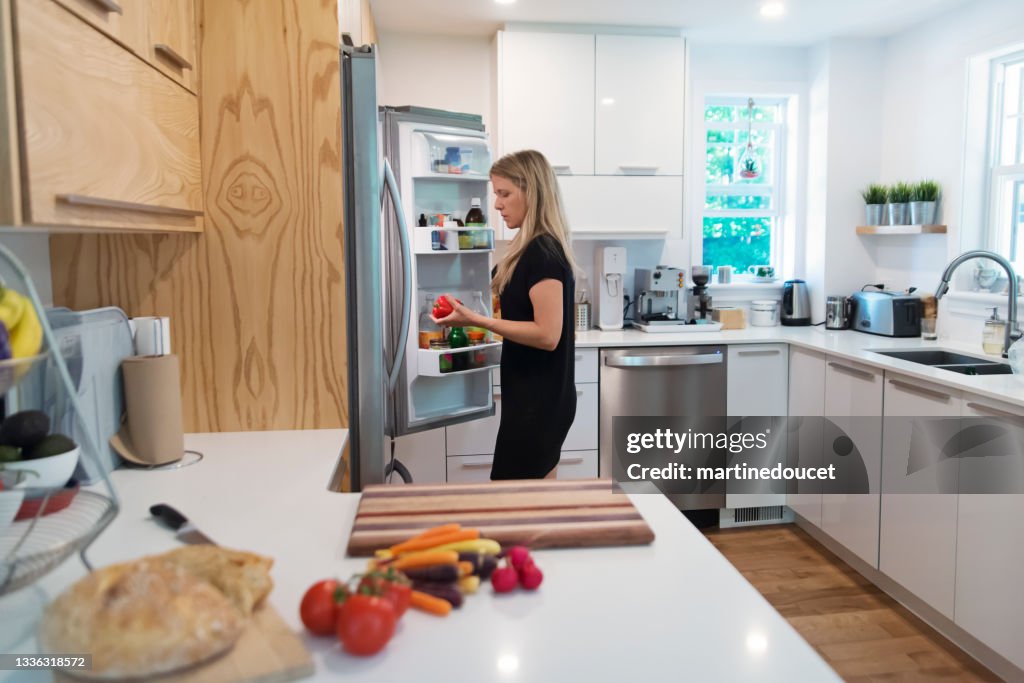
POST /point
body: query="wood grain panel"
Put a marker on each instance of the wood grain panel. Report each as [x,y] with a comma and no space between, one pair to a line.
[257,303]
[172,23]
[10,170]
[104,125]
[537,513]
[861,632]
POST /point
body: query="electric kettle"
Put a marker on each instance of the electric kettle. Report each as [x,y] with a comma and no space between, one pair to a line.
[796,303]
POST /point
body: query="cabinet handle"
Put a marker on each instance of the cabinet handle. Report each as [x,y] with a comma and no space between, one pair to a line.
[852,371]
[570,461]
[101,203]
[668,359]
[914,389]
[561,169]
[171,55]
[638,168]
[476,465]
[762,352]
[990,410]
[108,6]
[579,357]
[579,392]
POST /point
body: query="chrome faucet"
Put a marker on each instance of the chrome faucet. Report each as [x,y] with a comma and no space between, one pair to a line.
[1012,333]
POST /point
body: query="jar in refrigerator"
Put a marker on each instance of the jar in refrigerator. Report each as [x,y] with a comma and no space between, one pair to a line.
[429,330]
[465,239]
[477,354]
[444,360]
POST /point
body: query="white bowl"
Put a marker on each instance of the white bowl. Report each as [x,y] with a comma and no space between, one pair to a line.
[10,503]
[51,472]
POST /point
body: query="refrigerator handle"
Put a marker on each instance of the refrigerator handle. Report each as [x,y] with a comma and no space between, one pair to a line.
[403,236]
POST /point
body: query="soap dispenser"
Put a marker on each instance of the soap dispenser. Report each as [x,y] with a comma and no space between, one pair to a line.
[994,335]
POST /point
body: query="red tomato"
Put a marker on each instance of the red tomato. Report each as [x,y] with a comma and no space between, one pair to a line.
[365,624]
[320,605]
[392,585]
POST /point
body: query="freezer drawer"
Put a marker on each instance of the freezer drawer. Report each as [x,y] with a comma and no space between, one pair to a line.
[662,381]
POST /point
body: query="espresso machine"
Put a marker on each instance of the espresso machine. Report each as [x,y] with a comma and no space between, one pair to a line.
[698,301]
[657,294]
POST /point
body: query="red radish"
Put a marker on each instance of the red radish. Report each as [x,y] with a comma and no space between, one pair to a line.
[518,555]
[504,579]
[530,576]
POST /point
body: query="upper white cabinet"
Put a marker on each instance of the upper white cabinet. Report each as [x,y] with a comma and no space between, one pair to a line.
[546,97]
[806,400]
[639,117]
[917,543]
[853,406]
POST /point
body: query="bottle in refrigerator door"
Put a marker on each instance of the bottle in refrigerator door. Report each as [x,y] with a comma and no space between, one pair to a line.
[475,216]
[479,335]
[458,339]
[428,329]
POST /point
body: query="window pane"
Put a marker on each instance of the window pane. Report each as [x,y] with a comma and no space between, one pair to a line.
[1017,229]
[720,136]
[769,114]
[737,242]
[719,113]
[724,202]
[720,167]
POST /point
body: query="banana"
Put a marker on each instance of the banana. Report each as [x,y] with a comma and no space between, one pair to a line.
[12,306]
[19,316]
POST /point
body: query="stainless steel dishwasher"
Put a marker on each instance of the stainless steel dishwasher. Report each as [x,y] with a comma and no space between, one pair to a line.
[662,381]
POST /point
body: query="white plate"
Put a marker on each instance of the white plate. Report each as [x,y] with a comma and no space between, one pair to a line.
[755,278]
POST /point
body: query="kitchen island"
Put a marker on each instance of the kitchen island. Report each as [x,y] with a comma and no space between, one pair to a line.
[672,610]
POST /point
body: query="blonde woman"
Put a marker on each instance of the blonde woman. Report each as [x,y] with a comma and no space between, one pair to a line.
[536,284]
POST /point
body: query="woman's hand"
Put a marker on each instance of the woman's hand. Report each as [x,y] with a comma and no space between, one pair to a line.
[459,317]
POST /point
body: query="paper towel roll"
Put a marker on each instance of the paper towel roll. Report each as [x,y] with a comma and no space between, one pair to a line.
[153,432]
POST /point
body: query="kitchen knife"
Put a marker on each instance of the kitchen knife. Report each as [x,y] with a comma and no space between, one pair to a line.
[185,530]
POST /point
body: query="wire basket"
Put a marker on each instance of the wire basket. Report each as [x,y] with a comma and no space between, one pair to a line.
[50,524]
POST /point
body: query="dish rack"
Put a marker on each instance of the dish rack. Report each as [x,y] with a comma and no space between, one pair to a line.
[53,523]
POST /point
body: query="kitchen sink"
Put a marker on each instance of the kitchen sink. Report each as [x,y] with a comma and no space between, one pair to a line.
[937,357]
[979,369]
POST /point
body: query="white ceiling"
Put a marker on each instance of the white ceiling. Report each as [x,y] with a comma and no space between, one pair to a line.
[806,21]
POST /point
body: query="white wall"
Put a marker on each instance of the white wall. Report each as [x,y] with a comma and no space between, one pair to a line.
[33,250]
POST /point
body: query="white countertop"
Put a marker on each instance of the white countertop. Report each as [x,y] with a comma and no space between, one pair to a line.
[848,344]
[673,609]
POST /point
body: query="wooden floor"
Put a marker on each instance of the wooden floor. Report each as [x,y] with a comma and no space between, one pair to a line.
[860,631]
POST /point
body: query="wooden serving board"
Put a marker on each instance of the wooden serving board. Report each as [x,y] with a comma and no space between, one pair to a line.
[268,651]
[535,513]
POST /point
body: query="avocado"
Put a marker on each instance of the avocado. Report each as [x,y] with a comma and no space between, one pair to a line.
[10,453]
[54,444]
[24,429]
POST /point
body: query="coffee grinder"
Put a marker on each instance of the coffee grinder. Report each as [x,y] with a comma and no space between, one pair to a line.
[698,302]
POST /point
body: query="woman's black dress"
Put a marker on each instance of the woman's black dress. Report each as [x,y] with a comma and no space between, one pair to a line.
[538,387]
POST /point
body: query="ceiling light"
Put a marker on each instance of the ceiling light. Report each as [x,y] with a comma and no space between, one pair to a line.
[608,100]
[772,10]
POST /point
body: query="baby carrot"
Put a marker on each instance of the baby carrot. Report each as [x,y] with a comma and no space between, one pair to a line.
[425,559]
[432,541]
[465,568]
[434,531]
[428,603]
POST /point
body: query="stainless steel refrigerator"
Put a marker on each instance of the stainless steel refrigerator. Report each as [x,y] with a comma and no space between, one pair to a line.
[401,164]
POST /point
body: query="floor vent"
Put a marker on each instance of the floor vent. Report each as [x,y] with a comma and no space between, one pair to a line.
[768,514]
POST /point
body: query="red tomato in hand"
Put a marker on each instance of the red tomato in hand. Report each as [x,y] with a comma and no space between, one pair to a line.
[391,585]
[365,624]
[319,608]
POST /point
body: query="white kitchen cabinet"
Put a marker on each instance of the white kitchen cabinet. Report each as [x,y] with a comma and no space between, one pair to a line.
[475,437]
[757,390]
[582,434]
[853,408]
[917,535]
[623,206]
[990,538]
[639,89]
[546,97]
[422,454]
[806,400]
[471,469]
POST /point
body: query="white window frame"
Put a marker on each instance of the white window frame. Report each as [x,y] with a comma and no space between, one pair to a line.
[776,190]
[1002,237]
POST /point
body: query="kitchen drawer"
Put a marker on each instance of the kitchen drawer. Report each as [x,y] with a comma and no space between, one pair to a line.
[107,142]
[171,40]
[586,366]
[122,20]
[476,436]
[467,469]
[582,434]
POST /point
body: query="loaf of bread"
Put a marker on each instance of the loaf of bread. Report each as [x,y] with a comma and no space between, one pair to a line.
[243,577]
[140,619]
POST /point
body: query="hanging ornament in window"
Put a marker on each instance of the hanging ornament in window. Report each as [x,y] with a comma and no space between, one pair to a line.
[747,163]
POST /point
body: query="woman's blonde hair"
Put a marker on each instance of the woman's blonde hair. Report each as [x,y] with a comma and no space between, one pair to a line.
[532,174]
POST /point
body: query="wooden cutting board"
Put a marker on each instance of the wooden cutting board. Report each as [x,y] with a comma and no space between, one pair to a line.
[268,651]
[535,513]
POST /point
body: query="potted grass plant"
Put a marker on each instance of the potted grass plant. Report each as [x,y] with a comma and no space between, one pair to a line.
[899,197]
[874,200]
[924,199]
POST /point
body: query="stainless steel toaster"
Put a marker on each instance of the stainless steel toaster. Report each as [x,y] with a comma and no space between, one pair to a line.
[890,314]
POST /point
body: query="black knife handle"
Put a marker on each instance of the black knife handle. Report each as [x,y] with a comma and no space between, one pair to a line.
[168,515]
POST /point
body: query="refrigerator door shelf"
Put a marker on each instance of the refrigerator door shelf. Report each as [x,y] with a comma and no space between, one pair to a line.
[450,154]
[434,240]
[441,363]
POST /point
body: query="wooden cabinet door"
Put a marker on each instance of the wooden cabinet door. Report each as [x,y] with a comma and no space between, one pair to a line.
[917,538]
[757,391]
[124,21]
[853,408]
[806,400]
[638,124]
[990,537]
[171,40]
[546,95]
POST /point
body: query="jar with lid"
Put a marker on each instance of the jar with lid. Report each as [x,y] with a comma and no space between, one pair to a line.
[429,330]
[444,360]
[994,335]
[466,239]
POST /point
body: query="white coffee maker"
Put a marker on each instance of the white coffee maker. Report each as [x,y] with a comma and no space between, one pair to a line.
[609,274]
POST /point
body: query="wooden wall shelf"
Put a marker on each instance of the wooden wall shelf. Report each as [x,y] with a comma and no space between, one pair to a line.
[901,229]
